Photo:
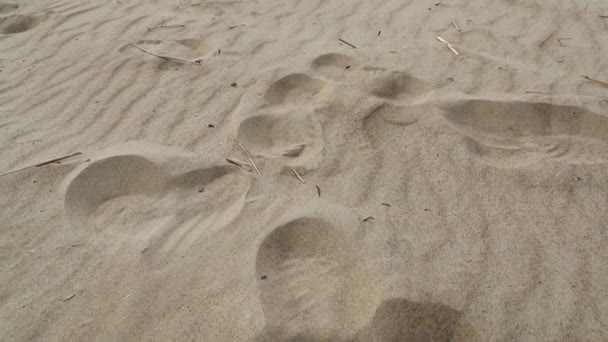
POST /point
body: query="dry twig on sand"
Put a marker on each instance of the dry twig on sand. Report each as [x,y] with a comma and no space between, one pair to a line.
[162,25]
[56,160]
[239,163]
[602,83]
[298,175]
[347,43]
[177,59]
[456,25]
[446,43]
[250,159]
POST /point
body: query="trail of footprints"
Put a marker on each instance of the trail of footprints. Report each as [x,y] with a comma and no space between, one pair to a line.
[312,275]
[309,267]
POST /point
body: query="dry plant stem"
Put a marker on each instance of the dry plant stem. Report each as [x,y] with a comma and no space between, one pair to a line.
[195,62]
[44,163]
[240,164]
[347,43]
[456,25]
[250,159]
[446,43]
[602,83]
[298,175]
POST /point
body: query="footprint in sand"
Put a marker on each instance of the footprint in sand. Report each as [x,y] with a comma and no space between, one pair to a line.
[285,127]
[291,134]
[402,320]
[313,284]
[6,7]
[293,89]
[188,49]
[398,87]
[400,99]
[334,66]
[17,23]
[511,132]
[148,196]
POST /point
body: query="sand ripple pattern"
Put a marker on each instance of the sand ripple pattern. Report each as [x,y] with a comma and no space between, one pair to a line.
[443,197]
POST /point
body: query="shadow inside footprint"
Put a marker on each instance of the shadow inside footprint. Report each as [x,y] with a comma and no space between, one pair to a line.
[518,118]
[109,178]
[13,24]
[7,7]
[293,89]
[403,320]
[398,86]
[197,178]
[334,65]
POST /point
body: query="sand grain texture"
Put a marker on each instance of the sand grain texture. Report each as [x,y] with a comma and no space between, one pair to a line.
[445,197]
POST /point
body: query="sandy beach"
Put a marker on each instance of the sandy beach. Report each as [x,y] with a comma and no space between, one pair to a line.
[263,170]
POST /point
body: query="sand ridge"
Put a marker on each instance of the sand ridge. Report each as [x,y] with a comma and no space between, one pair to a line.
[443,197]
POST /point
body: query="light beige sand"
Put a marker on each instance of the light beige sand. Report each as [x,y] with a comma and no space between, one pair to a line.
[445,198]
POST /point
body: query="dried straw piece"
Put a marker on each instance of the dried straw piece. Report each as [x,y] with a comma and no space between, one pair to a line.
[298,175]
[250,159]
[177,59]
[239,163]
[602,83]
[446,43]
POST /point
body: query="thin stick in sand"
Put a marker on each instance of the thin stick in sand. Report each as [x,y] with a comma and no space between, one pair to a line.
[250,159]
[446,43]
[177,59]
[347,43]
[239,163]
[456,25]
[56,160]
[559,40]
[602,83]
[298,175]
[162,25]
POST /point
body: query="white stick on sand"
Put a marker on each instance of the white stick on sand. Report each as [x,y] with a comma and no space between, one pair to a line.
[250,159]
[446,43]
[177,59]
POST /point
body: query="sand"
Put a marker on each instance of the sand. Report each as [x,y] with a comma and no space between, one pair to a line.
[442,197]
